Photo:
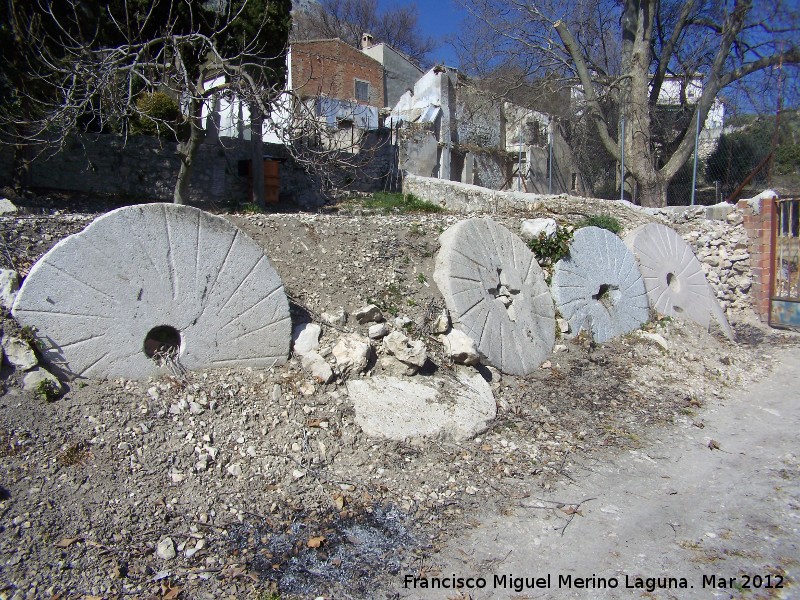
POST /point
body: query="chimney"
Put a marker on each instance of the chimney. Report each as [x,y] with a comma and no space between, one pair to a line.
[366,41]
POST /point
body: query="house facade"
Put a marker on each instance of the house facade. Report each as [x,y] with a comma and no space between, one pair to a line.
[399,73]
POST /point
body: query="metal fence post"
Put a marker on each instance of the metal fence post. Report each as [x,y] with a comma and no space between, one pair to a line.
[622,161]
[694,169]
[550,159]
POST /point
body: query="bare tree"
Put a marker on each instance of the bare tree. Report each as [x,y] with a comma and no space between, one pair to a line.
[83,65]
[622,52]
[398,26]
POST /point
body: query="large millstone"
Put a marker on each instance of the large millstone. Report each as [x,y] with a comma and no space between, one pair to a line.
[598,287]
[673,277]
[404,408]
[150,284]
[496,294]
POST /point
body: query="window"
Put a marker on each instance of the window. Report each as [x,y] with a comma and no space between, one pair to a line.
[362,91]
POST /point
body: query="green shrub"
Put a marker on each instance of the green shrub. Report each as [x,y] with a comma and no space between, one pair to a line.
[549,249]
[396,202]
[157,112]
[601,221]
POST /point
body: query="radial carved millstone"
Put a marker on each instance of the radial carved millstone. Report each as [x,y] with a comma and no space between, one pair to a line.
[496,293]
[598,287]
[147,284]
[673,277]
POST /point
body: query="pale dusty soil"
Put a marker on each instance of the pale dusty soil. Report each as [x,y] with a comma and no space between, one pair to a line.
[93,482]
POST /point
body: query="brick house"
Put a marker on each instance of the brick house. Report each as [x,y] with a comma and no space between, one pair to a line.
[335,69]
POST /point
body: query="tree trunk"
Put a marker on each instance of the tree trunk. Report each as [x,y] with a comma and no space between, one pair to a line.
[653,192]
[257,157]
[187,151]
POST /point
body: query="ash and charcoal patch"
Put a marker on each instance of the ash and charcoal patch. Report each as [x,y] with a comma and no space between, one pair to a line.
[352,553]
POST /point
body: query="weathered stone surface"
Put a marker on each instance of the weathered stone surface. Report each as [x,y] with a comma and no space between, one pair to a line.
[673,277]
[318,367]
[35,377]
[378,331]
[19,353]
[305,338]
[442,323]
[368,314]
[531,229]
[352,354]
[337,318]
[496,294]
[400,409]
[460,347]
[9,286]
[392,366]
[405,350]
[151,278]
[598,288]
[7,207]
[166,549]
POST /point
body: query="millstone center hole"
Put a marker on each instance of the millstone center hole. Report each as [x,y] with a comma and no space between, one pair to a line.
[162,342]
[607,295]
[672,282]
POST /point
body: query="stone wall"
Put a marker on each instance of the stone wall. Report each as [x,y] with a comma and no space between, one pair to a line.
[144,167]
[139,167]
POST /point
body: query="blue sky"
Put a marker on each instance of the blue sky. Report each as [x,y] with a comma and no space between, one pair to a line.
[437,18]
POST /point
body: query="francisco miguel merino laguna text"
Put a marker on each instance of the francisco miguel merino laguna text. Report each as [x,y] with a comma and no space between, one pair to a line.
[518,584]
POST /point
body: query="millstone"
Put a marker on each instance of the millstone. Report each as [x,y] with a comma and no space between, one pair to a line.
[598,287]
[496,294]
[673,277]
[147,285]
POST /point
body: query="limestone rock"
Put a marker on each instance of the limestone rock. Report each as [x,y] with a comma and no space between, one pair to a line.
[166,549]
[35,377]
[400,409]
[598,287]
[19,353]
[150,281]
[305,338]
[368,314]
[378,331]
[392,366]
[7,207]
[352,354]
[318,367]
[405,350]
[442,323]
[531,229]
[9,286]
[496,293]
[460,347]
[336,318]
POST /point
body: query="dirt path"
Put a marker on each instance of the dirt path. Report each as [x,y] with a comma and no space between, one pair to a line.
[673,508]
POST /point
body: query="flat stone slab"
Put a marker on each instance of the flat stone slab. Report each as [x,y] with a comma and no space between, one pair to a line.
[496,294]
[399,408]
[673,277]
[598,287]
[152,284]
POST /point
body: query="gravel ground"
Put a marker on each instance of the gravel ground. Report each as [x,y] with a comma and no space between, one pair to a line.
[239,483]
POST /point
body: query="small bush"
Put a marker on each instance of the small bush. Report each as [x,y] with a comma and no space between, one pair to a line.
[403,203]
[601,221]
[549,249]
[157,113]
[47,391]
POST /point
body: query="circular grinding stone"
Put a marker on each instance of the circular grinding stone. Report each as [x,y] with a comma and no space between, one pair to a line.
[673,277]
[598,287]
[147,282]
[496,294]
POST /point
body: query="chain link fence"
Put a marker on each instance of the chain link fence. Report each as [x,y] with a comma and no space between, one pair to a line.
[742,153]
